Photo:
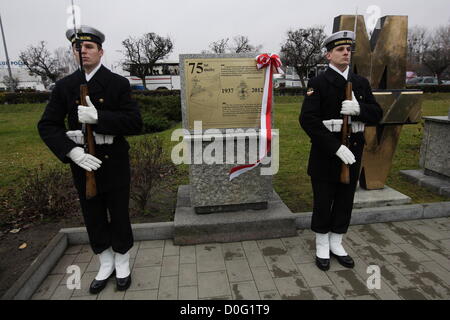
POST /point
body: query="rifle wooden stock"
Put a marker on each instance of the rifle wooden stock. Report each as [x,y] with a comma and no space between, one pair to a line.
[91,186]
[345,138]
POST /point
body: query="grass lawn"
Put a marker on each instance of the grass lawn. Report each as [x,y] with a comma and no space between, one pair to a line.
[22,149]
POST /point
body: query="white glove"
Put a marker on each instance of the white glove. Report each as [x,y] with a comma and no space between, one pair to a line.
[346,155]
[87,114]
[350,107]
[103,138]
[84,160]
[76,136]
[333,125]
[357,126]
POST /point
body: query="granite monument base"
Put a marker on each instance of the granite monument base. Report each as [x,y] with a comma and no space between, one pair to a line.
[435,183]
[435,148]
[191,228]
[434,157]
[210,188]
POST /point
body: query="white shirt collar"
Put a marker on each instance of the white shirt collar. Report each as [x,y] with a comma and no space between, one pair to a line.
[90,75]
[344,74]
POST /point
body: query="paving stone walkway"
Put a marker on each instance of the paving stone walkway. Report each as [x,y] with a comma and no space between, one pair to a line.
[413,258]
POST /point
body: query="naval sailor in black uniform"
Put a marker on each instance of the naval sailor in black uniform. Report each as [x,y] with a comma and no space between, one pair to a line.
[321,118]
[113,115]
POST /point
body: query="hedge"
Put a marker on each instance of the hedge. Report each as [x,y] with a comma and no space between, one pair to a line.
[24,97]
[155,93]
[430,88]
[290,91]
[159,112]
[43,97]
[154,123]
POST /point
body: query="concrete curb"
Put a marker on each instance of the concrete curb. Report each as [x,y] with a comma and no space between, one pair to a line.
[153,231]
[27,284]
[141,231]
[386,214]
[436,209]
[75,235]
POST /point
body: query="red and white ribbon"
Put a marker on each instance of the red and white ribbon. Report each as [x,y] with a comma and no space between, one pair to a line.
[272,64]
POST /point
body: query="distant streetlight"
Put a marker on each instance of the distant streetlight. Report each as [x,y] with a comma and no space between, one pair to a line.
[11,82]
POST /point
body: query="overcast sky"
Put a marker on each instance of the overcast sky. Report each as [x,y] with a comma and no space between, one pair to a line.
[194,24]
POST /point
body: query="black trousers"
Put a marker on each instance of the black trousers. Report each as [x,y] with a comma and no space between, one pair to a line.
[114,232]
[333,204]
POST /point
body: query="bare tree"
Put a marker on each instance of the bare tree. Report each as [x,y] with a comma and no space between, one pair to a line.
[220,46]
[135,62]
[417,42]
[11,82]
[141,54]
[66,60]
[41,62]
[241,44]
[303,50]
[436,55]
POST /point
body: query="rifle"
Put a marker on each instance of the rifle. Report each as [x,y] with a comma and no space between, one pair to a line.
[346,130]
[89,142]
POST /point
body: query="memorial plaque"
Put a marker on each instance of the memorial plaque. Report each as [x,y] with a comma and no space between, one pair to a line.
[223,92]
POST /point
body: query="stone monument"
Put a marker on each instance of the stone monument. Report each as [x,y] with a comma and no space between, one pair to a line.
[221,99]
[434,156]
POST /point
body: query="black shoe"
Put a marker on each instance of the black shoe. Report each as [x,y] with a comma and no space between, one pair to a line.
[345,261]
[123,283]
[323,264]
[99,285]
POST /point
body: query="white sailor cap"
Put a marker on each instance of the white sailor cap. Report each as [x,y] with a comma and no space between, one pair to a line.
[86,33]
[344,37]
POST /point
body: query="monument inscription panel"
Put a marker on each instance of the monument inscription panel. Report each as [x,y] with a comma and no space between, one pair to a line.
[223,92]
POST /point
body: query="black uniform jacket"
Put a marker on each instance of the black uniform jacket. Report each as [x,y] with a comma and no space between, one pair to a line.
[325,103]
[118,115]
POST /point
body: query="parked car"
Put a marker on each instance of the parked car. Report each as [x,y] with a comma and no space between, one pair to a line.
[428,81]
[423,81]
[413,80]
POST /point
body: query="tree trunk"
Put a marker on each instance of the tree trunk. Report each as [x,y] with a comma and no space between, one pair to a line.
[45,81]
[439,75]
[301,75]
[302,81]
[144,83]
